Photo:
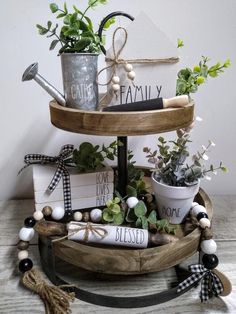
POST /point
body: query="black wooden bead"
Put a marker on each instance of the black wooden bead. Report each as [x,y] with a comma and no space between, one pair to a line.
[25,265]
[142,197]
[210,261]
[201,215]
[30,222]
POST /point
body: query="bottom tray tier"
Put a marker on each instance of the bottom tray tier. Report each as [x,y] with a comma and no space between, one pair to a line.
[126,261]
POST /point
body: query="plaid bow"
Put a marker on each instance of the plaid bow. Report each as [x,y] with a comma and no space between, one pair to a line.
[210,285]
[61,171]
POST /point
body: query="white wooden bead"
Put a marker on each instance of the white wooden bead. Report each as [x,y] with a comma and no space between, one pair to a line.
[26,234]
[38,215]
[208,246]
[96,215]
[132,201]
[194,204]
[78,216]
[131,75]
[116,79]
[58,213]
[128,67]
[116,87]
[198,209]
[204,223]
[23,254]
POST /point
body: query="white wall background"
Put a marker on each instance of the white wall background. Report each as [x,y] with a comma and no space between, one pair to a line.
[207,27]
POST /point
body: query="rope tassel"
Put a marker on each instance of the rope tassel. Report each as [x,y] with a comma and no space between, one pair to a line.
[56,300]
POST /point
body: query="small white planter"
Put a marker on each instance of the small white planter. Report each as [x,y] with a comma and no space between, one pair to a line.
[174,202]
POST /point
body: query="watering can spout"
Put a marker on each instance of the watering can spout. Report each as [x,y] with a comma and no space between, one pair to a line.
[31,73]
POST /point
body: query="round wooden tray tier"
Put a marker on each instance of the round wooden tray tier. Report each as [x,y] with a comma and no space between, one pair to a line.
[120,123]
[127,261]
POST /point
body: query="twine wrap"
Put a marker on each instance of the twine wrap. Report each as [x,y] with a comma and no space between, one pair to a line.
[61,171]
[56,301]
[116,60]
[210,282]
[76,227]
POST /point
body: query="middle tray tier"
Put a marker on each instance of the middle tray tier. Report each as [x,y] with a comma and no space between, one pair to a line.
[120,123]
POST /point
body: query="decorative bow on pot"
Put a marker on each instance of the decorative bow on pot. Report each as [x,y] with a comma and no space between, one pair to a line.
[210,282]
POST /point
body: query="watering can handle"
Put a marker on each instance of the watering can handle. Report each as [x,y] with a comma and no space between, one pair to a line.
[107,18]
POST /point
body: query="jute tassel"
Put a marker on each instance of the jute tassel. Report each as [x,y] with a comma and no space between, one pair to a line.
[56,300]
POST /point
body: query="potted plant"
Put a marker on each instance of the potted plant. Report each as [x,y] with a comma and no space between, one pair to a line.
[175,180]
[79,49]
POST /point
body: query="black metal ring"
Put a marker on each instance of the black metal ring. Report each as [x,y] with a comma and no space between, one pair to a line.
[107,18]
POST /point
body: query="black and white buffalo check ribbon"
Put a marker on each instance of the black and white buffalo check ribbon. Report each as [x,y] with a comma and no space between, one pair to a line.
[61,171]
[210,285]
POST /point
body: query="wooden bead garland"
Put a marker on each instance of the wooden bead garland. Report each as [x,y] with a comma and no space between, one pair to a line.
[208,246]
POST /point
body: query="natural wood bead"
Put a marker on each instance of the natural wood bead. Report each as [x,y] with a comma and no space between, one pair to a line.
[86,217]
[78,216]
[22,255]
[38,215]
[23,245]
[47,211]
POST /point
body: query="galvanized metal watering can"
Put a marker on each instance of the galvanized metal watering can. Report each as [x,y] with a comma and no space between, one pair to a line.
[79,73]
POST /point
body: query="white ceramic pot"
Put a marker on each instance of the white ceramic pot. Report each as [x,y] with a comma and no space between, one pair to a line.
[174,202]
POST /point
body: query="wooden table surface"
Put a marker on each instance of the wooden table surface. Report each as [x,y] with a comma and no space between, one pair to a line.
[16,299]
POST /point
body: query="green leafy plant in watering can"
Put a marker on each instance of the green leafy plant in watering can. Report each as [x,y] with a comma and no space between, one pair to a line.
[77,31]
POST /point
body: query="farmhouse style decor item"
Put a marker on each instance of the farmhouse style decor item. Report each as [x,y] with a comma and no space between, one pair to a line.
[80,47]
[125,236]
[175,182]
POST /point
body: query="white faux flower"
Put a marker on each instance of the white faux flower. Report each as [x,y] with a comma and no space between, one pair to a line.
[212,143]
[205,157]
[208,178]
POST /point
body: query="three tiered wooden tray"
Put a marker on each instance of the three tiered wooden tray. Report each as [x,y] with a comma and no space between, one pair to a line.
[113,260]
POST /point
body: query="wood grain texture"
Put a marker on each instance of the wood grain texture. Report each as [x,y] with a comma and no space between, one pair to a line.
[15,299]
[113,260]
[120,123]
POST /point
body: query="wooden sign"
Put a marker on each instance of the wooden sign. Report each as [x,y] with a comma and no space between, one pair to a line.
[108,234]
[149,51]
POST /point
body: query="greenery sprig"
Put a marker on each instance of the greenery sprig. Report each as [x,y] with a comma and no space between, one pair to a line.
[77,32]
[170,162]
[140,217]
[189,80]
[113,213]
[89,157]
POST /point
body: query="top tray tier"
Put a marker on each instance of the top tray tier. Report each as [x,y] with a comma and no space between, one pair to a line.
[120,123]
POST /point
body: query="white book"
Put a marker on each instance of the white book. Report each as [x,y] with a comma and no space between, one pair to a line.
[43,174]
[82,191]
[81,203]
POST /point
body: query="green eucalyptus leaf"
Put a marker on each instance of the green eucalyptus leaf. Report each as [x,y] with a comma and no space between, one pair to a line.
[140,209]
[53,7]
[49,24]
[131,191]
[138,223]
[60,15]
[152,218]
[144,222]
[130,217]
[109,22]
[53,44]
[42,30]
[82,44]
